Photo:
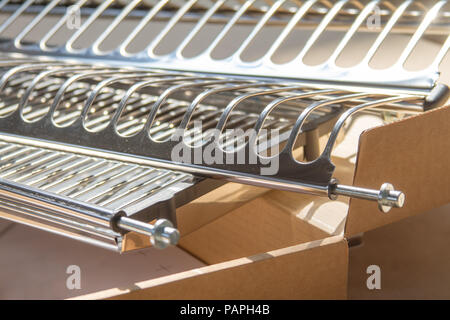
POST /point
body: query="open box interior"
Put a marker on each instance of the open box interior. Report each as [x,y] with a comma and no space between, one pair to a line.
[230,252]
[248,242]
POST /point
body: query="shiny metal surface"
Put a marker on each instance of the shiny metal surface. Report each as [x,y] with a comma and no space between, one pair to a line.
[152,113]
[162,233]
[91,197]
[95,190]
[141,80]
[387,197]
[245,22]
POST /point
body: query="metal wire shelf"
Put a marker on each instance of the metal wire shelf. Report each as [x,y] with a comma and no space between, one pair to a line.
[96,98]
[415,19]
[88,197]
[168,82]
[87,107]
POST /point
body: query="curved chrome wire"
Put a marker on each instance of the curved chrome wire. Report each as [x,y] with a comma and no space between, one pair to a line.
[413,18]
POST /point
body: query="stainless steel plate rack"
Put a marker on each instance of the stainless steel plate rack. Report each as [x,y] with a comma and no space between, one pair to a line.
[157,83]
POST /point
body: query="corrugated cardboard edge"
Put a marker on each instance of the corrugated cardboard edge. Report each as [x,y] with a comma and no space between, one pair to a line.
[258,226]
[313,270]
[413,154]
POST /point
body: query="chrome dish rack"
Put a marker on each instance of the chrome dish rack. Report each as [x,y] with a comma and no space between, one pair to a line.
[78,96]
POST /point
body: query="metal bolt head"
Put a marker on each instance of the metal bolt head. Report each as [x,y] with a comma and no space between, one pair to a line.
[388,198]
[164,234]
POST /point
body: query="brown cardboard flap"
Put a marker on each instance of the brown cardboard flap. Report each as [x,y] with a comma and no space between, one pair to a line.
[215,204]
[313,270]
[274,220]
[260,225]
[414,155]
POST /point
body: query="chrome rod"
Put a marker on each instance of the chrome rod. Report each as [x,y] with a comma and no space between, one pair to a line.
[162,233]
[386,197]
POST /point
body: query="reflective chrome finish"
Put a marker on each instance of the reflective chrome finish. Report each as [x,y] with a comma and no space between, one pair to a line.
[387,197]
[86,108]
[86,195]
[137,97]
[162,233]
[414,18]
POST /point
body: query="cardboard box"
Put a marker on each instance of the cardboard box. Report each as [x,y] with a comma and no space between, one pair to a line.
[282,245]
[412,255]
